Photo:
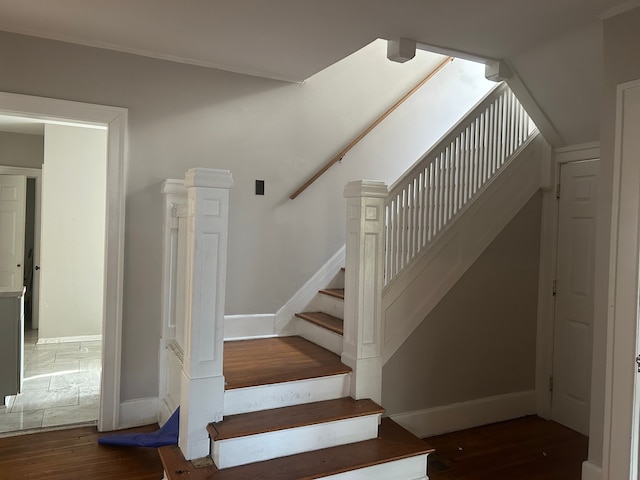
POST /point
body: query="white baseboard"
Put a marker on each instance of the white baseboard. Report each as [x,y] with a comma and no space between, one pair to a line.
[591,471]
[462,415]
[237,327]
[285,317]
[78,338]
[139,412]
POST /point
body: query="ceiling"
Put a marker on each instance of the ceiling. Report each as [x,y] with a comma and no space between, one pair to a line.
[293,39]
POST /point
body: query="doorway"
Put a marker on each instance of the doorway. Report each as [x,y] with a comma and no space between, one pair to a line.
[574,290]
[115,121]
[62,348]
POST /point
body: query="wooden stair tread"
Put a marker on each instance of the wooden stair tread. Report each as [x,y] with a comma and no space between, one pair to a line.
[393,443]
[334,292]
[324,320]
[265,421]
[248,363]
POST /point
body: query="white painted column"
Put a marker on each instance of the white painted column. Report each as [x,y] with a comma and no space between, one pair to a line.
[202,384]
[363,331]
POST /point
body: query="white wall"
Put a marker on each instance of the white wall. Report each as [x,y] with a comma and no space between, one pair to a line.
[73,231]
[181,116]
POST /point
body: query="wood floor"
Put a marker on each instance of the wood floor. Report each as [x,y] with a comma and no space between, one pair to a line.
[75,455]
[524,449]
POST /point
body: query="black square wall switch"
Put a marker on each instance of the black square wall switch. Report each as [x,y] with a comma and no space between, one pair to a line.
[259,187]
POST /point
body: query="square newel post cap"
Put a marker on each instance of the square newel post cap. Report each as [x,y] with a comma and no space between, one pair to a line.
[208,178]
[366,188]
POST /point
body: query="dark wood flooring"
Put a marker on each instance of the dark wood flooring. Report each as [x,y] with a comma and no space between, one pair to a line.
[524,449]
[528,448]
[76,455]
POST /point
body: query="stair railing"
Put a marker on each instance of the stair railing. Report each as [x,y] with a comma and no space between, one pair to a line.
[377,122]
[442,183]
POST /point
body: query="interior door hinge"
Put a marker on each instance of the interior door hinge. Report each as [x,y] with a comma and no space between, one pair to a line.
[558,191]
[638,362]
[554,288]
[551,384]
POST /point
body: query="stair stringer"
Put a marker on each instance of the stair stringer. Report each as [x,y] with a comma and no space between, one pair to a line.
[413,294]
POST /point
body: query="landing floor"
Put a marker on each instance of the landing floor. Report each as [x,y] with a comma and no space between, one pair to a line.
[266,361]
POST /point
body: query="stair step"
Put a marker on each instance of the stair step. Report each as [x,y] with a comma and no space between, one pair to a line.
[277,372]
[258,436]
[334,292]
[324,320]
[394,448]
[275,360]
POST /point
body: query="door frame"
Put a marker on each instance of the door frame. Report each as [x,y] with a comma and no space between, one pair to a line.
[622,395]
[36,174]
[115,119]
[548,265]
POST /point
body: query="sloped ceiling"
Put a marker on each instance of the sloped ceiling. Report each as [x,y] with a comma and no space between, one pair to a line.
[554,45]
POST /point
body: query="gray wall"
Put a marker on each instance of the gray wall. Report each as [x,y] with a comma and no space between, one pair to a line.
[181,116]
[621,64]
[480,340]
[21,150]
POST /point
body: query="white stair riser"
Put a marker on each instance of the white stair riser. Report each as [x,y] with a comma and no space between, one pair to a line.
[320,336]
[265,446]
[264,397]
[327,304]
[412,468]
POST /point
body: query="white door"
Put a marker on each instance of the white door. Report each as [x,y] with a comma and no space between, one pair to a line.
[574,298]
[13,190]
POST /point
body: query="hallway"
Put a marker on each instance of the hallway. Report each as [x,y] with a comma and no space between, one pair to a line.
[61,386]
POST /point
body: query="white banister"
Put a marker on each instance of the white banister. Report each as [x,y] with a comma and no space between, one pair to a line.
[439,186]
[362,342]
[202,381]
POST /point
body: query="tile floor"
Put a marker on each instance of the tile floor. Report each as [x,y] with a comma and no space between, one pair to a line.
[61,386]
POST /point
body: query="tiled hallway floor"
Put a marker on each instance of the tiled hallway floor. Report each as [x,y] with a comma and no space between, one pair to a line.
[61,386]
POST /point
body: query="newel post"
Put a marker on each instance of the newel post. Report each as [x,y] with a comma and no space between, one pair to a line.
[364,272]
[202,383]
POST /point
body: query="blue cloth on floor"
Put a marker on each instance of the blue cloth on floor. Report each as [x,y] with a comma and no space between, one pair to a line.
[167,435]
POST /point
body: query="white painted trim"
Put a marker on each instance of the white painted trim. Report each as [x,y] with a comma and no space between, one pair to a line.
[76,338]
[618,9]
[574,153]
[115,119]
[285,316]
[242,327]
[591,471]
[620,421]
[139,412]
[463,415]
[413,468]
[276,395]
[236,451]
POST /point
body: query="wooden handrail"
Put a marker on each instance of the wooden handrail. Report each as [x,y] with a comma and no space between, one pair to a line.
[345,150]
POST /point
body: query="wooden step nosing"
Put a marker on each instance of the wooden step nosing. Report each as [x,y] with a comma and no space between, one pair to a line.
[334,292]
[294,416]
[313,318]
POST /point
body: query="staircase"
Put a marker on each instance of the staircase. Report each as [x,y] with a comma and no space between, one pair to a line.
[304,407]
[288,413]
